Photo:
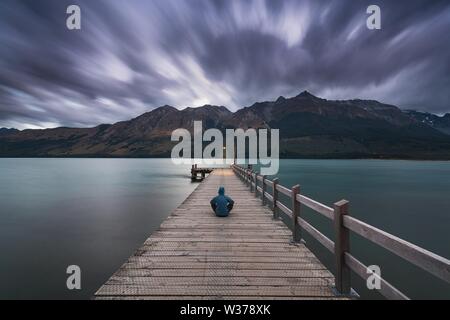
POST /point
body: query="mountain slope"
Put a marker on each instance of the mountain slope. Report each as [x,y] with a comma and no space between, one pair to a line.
[439,123]
[309,127]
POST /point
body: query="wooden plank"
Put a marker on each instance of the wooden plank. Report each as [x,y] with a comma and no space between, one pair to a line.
[284,190]
[150,243]
[268,197]
[215,226]
[261,239]
[316,206]
[285,209]
[223,253]
[224,265]
[214,298]
[146,259]
[268,291]
[221,281]
[293,273]
[269,182]
[272,250]
[316,234]
[224,233]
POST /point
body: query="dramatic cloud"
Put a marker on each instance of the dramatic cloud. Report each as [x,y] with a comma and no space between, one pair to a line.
[133,56]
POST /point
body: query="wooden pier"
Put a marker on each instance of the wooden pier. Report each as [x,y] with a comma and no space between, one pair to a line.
[196,255]
[196,171]
[252,254]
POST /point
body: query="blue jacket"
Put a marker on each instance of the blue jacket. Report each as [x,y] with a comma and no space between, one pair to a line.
[221,202]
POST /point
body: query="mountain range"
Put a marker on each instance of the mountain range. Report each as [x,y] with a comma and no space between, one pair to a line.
[310,127]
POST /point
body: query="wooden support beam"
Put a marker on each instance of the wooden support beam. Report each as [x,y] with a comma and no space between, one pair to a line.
[264,190]
[295,205]
[256,184]
[341,246]
[275,198]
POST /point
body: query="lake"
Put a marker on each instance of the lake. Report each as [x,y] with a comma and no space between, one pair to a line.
[95,212]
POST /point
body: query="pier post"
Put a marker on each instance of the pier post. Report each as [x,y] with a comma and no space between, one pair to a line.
[250,180]
[342,245]
[256,184]
[194,172]
[296,235]
[275,198]
[263,190]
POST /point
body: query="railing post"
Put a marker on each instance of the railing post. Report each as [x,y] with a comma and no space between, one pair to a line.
[275,198]
[341,245]
[256,184]
[296,236]
[263,190]
[250,180]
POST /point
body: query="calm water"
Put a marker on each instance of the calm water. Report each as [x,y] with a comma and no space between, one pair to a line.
[95,212]
[89,212]
[410,199]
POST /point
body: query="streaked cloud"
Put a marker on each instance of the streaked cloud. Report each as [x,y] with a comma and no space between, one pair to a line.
[131,57]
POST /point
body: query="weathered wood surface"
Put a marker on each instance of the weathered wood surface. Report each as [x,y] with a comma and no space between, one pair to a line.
[195,255]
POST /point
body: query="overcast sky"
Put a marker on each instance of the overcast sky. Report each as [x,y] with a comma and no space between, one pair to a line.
[133,56]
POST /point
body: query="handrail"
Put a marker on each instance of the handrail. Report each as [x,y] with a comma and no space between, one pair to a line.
[343,224]
[319,236]
[285,209]
[284,190]
[429,261]
[316,206]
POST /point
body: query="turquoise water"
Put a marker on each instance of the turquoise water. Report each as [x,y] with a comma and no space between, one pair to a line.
[95,212]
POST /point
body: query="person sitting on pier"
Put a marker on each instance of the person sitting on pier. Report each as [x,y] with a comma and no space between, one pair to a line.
[222,204]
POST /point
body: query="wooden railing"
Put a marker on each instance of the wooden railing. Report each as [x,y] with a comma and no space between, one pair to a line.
[343,225]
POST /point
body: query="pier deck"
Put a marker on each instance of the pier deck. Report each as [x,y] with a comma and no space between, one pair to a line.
[195,255]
